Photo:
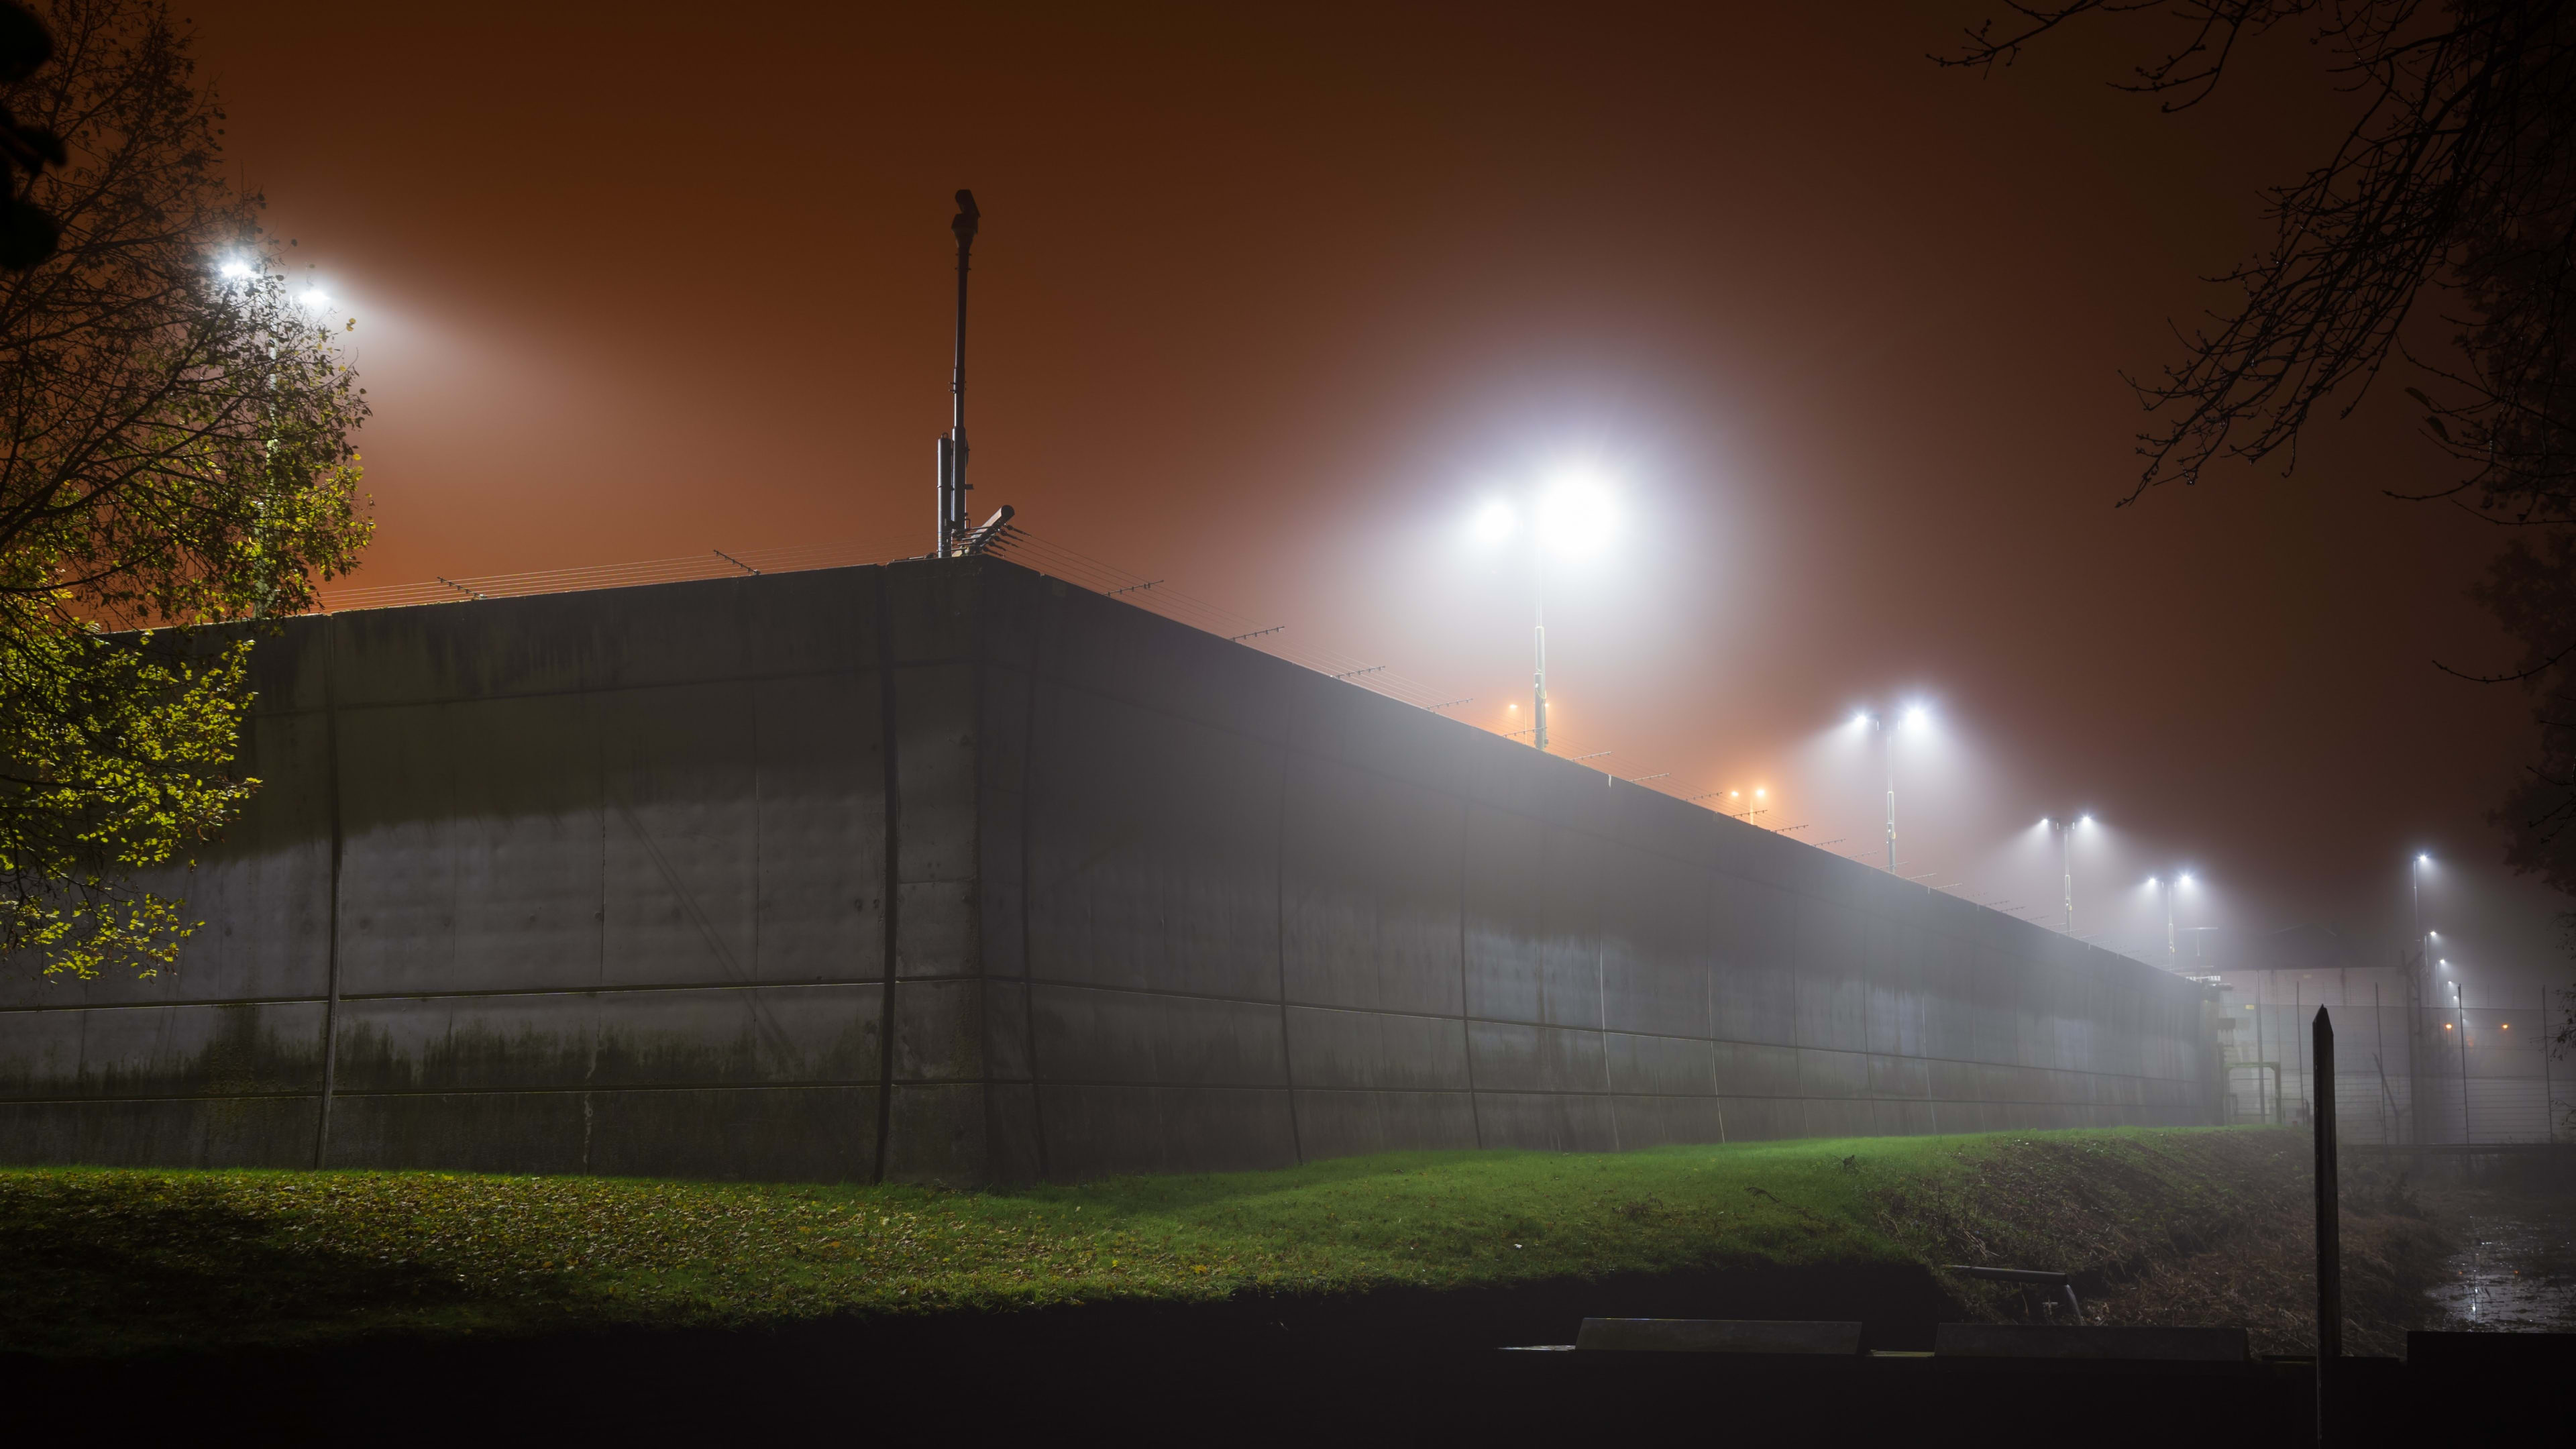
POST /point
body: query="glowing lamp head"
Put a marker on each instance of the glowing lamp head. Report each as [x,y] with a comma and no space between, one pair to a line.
[2184,878]
[234,269]
[1916,714]
[1494,522]
[1577,513]
[315,299]
[1759,792]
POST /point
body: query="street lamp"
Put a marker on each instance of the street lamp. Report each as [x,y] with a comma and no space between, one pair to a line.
[1574,514]
[2415,884]
[2066,860]
[2460,1014]
[2173,950]
[1913,714]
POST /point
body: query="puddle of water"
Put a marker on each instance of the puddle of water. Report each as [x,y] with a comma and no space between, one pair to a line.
[2515,1273]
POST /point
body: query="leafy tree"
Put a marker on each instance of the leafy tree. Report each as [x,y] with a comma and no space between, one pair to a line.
[2448,205]
[177,453]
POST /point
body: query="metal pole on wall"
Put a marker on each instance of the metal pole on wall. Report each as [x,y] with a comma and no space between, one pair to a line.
[1887,758]
[2415,888]
[1538,635]
[2066,870]
[2378,1058]
[952,449]
[2329,1225]
[2460,1004]
[2548,1104]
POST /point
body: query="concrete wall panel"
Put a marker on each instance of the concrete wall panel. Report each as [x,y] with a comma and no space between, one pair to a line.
[164,1132]
[574,1040]
[245,1049]
[1139,1038]
[1371,1049]
[1346,1124]
[1153,851]
[1547,1121]
[1370,918]
[1096,1131]
[1510,1057]
[820,829]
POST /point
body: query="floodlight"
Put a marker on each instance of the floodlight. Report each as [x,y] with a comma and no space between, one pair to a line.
[1577,514]
[1494,522]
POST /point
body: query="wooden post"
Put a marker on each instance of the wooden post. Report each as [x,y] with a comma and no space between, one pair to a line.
[2329,1226]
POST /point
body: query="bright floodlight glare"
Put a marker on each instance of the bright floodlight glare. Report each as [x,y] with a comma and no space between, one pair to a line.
[1494,522]
[1758,793]
[1577,513]
[2423,859]
[235,268]
[1861,718]
[1916,714]
[2185,877]
[316,299]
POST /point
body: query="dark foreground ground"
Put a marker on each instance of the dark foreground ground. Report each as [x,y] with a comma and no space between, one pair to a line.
[1379,1370]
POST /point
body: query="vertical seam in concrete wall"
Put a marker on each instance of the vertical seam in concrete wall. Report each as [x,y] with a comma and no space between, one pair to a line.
[599,918]
[1466,1017]
[1279,909]
[1601,997]
[1046,609]
[331,940]
[892,814]
[1708,986]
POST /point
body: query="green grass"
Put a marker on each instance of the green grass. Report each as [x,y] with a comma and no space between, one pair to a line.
[96,1261]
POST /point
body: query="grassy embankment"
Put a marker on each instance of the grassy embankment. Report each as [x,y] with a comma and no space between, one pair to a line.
[108,1261]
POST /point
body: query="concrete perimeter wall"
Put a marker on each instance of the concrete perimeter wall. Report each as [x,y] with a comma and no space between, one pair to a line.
[610,882]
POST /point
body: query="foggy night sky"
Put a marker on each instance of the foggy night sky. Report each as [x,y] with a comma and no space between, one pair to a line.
[1268,300]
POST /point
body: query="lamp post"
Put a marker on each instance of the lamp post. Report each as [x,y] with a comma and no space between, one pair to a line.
[2066,860]
[1538,643]
[1883,728]
[1573,514]
[2460,1014]
[953,486]
[2424,974]
[2173,947]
